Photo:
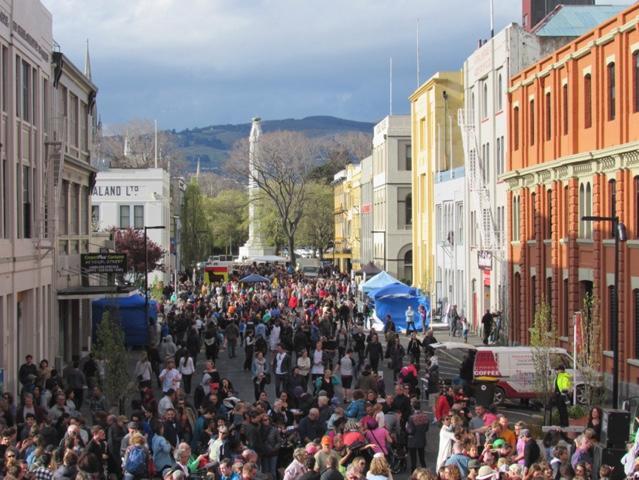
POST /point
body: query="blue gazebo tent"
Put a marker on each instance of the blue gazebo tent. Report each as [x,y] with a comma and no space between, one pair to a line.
[380,280]
[394,300]
[130,312]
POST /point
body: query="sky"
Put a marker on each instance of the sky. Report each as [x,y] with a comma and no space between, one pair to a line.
[193,63]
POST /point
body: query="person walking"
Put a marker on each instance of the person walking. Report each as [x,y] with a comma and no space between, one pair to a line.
[232,333]
[187,369]
[259,369]
[282,369]
[563,385]
[410,320]
[374,352]
[487,323]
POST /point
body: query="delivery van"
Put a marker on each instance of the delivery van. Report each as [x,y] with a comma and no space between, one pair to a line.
[513,371]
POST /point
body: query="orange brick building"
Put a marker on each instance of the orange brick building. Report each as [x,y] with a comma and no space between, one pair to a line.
[574,151]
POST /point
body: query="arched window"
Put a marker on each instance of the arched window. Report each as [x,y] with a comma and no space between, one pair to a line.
[531,112]
[408,208]
[582,210]
[408,265]
[588,210]
[548,116]
[516,128]
[612,202]
[612,94]
[587,101]
[564,96]
[484,99]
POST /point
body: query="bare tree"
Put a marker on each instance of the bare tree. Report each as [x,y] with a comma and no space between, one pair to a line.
[132,145]
[280,173]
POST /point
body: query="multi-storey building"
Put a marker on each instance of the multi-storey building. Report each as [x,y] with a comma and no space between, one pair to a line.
[347,194]
[392,196]
[73,98]
[534,11]
[136,198]
[436,158]
[27,305]
[574,151]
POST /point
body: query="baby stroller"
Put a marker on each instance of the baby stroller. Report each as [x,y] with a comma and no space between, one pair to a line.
[398,458]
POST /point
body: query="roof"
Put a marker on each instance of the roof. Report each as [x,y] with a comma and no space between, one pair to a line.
[575,20]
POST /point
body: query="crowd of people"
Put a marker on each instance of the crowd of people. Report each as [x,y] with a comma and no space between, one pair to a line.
[321,407]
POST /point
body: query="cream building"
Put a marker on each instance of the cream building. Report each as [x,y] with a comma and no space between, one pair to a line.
[436,156]
[27,306]
[392,197]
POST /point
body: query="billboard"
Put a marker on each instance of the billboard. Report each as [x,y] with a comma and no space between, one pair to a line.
[103,263]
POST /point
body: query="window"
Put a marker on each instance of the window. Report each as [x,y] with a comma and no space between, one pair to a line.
[498,156]
[84,120]
[25,91]
[533,295]
[635,182]
[95,217]
[500,89]
[516,128]
[63,209]
[4,200]
[75,208]
[409,156]
[564,306]
[125,216]
[26,201]
[567,212]
[588,209]
[84,210]
[611,91]
[515,219]
[533,216]
[532,122]
[564,97]
[549,214]
[548,299]
[582,210]
[73,120]
[5,78]
[612,202]
[635,81]
[548,117]
[404,157]
[460,223]
[587,101]
[408,208]
[484,98]
[635,295]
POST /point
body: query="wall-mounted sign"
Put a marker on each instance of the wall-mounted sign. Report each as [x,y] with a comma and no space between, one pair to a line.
[116,190]
[103,262]
[484,259]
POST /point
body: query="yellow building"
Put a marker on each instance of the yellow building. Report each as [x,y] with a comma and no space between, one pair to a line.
[436,148]
[347,193]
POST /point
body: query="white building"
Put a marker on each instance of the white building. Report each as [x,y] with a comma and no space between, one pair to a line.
[27,307]
[136,198]
[366,211]
[449,249]
[392,197]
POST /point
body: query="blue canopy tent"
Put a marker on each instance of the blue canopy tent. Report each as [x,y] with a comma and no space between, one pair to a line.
[394,300]
[380,280]
[130,312]
[254,278]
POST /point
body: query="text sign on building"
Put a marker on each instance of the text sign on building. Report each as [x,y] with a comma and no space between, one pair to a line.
[116,190]
[103,263]
[484,259]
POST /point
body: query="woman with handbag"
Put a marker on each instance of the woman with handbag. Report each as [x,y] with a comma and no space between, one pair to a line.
[261,375]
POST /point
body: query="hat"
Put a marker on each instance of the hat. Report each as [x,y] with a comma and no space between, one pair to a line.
[326,440]
[500,442]
[474,464]
[485,473]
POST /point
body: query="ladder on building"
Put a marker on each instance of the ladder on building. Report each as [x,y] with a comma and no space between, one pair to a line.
[480,195]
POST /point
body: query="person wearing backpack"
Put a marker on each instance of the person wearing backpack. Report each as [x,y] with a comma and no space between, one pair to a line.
[136,458]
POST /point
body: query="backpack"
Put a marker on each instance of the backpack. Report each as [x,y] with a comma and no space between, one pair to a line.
[136,461]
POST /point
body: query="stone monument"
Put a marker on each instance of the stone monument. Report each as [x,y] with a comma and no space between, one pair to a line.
[255,246]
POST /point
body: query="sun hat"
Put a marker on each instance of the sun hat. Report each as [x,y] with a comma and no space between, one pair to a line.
[485,473]
[500,442]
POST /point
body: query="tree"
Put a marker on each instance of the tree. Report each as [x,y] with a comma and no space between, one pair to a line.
[111,350]
[280,173]
[317,227]
[196,232]
[131,242]
[543,333]
[227,216]
[589,353]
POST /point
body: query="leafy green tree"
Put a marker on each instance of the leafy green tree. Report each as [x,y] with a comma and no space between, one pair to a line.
[227,215]
[318,226]
[111,350]
[196,233]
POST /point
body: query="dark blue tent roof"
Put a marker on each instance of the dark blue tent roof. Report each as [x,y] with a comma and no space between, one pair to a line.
[254,278]
[397,290]
[130,313]
[132,301]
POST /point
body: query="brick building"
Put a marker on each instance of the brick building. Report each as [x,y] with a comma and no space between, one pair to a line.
[573,151]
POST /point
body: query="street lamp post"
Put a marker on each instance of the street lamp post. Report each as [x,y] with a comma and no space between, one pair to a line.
[619,232]
[146,271]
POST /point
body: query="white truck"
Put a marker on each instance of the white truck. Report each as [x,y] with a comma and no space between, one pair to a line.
[309,267]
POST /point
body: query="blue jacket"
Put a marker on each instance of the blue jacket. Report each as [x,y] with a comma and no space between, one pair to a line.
[161,448]
[356,409]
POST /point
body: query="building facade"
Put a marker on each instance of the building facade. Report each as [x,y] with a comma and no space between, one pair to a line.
[27,300]
[435,147]
[73,98]
[392,197]
[366,211]
[573,151]
[135,198]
